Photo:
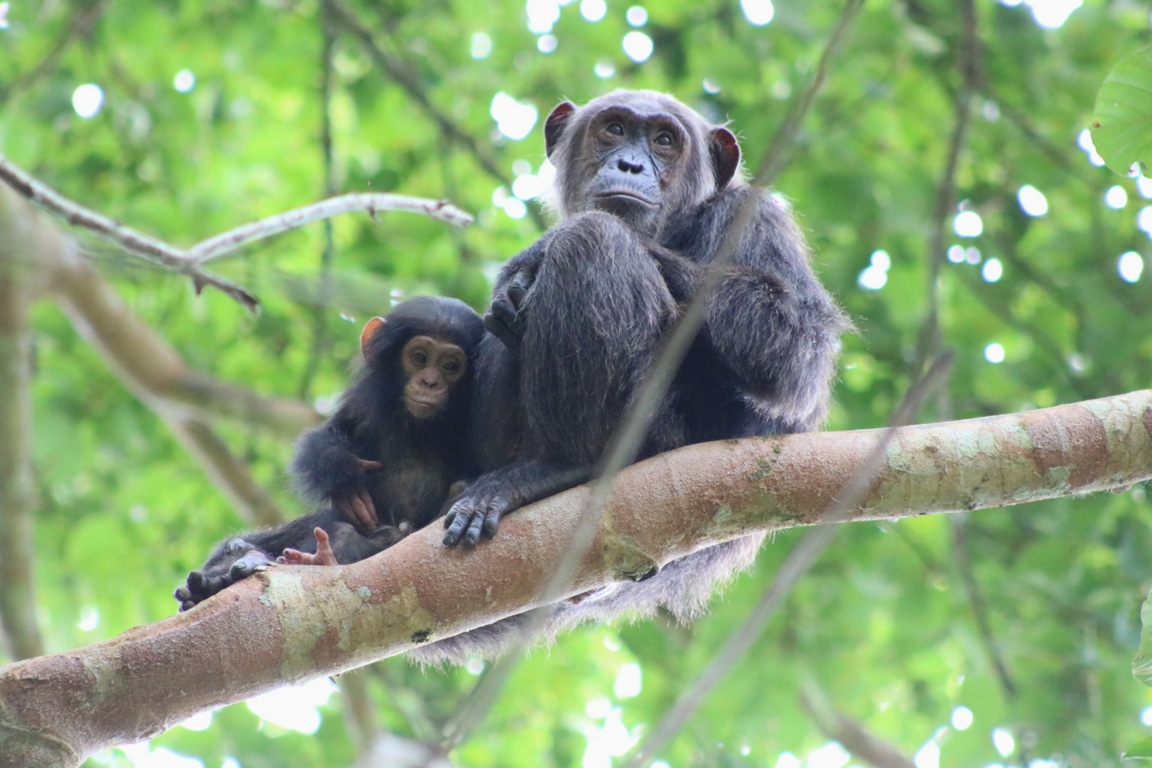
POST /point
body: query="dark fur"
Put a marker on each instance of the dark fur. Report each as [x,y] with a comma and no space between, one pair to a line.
[238,557]
[580,313]
[422,458]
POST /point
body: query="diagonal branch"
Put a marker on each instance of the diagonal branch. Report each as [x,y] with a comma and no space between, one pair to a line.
[861,743]
[190,261]
[320,621]
[189,401]
[396,69]
[780,147]
[798,563]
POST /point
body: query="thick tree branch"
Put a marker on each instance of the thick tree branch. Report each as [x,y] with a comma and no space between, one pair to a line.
[290,624]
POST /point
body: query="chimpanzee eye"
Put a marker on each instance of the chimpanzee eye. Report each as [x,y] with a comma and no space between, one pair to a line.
[450,366]
[664,139]
[616,129]
[420,357]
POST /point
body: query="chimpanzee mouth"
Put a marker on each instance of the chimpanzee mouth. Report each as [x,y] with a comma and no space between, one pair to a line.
[422,409]
[626,196]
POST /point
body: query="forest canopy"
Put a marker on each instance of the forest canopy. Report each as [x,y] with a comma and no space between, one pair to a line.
[940,158]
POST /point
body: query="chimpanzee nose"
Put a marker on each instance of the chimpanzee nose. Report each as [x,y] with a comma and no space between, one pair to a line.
[628,167]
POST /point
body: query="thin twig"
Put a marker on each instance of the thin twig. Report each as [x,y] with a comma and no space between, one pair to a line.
[188,262]
[780,147]
[127,238]
[81,21]
[979,605]
[625,443]
[320,337]
[402,75]
[970,64]
[861,743]
[372,202]
[1036,332]
[621,451]
[797,564]
[1056,154]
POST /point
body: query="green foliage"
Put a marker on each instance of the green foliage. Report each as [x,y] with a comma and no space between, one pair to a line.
[1141,667]
[1025,618]
[1120,124]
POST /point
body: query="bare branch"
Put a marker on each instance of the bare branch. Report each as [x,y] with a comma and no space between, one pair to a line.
[19,284]
[186,399]
[402,75]
[799,561]
[320,621]
[962,556]
[229,473]
[127,238]
[373,203]
[861,743]
[780,147]
[621,451]
[189,262]
[970,64]
[82,19]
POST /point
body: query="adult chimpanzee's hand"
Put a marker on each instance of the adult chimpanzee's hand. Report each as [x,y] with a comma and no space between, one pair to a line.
[506,317]
[478,510]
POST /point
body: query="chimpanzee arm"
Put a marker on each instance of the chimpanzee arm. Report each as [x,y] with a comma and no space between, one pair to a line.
[238,557]
[681,275]
[478,511]
[507,314]
[296,542]
[770,323]
[328,470]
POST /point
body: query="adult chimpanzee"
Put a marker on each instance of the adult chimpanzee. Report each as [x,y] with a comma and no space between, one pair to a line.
[647,192]
[384,463]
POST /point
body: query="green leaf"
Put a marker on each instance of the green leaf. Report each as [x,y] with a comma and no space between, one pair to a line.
[1141,750]
[1122,120]
[1142,664]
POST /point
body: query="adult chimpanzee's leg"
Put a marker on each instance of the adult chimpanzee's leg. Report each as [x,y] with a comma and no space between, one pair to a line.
[594,314]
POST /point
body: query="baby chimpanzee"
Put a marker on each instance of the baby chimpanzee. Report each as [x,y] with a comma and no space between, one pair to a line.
[385,462]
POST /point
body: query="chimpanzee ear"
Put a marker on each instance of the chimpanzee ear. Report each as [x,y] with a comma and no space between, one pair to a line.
[370,329]
[554,125]
[725,152]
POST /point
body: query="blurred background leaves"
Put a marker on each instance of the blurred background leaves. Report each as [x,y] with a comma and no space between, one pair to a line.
[1004,637]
